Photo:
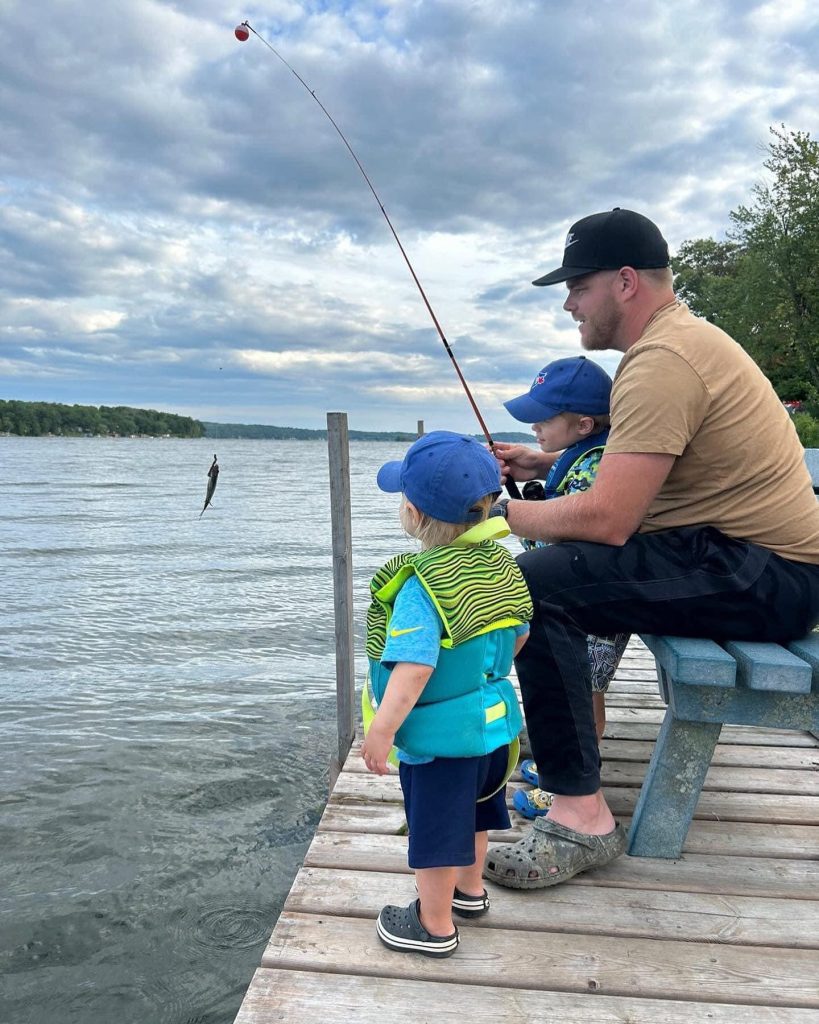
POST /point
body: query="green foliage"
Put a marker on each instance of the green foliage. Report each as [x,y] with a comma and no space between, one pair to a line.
[761,285]
[807,427]
[38,419]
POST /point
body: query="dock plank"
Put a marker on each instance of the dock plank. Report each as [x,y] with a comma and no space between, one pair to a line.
[278,996]
[722,805]
[643,968]
[726,875]
[634,913]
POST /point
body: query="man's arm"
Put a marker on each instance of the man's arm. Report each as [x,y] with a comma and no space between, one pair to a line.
[608,513]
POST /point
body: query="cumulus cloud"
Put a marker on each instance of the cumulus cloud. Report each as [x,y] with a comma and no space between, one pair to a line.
[181,227]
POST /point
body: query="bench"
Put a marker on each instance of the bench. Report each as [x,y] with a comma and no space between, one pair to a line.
[707,685]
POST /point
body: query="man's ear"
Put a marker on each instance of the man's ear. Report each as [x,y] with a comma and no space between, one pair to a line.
[628,280]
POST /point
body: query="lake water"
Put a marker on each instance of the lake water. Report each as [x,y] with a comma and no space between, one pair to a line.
[167,712]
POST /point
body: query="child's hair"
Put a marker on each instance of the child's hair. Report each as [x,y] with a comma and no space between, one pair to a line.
[433,533]
[601,421]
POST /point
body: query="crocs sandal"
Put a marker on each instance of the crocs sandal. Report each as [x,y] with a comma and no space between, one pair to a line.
[532,803]
[528,772]
[400,928]
[469,906]
[551,854]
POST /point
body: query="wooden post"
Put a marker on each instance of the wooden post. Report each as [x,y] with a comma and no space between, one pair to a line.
[420,428]
[339,453]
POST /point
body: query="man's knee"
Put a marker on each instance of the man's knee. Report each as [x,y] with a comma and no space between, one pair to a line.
[560,566]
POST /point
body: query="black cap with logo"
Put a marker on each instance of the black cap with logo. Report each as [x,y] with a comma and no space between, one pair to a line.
[608,241]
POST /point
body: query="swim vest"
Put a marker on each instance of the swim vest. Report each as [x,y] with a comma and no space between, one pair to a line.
[562,469]
[468,707]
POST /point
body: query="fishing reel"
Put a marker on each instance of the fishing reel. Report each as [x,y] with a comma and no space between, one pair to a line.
[533,490]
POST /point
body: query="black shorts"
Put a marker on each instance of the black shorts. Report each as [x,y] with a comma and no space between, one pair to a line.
[443,812]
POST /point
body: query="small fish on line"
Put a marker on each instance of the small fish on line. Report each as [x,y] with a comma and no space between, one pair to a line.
[213,476]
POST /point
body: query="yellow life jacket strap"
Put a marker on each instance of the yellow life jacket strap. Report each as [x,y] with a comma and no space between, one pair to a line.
[511,765]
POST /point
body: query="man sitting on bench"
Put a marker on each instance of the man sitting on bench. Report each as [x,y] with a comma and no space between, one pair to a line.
[702,522]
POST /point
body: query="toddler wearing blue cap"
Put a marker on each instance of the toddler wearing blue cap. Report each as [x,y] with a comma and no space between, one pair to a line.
[442,629]
[567,406]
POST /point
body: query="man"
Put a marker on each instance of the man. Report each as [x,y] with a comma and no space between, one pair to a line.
[702,522]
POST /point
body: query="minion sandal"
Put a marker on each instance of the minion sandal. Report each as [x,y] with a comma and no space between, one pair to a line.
[551,854]
[400,928]
[532,803]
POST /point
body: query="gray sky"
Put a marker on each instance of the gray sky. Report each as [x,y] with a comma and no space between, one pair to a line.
[182,229]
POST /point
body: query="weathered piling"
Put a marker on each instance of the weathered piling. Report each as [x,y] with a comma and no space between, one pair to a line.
[339,455]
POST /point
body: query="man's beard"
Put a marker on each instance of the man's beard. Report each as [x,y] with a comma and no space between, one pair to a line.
[602,330]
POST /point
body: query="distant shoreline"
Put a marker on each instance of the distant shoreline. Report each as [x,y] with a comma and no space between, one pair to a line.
[55,419]
[318,435]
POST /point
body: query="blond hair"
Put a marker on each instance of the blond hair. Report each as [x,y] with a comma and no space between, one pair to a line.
[433,533]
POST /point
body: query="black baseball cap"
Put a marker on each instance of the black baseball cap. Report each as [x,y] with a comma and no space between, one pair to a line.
[608,241]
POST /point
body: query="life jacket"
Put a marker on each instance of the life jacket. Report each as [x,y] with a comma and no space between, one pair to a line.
[468,707]
[561,470]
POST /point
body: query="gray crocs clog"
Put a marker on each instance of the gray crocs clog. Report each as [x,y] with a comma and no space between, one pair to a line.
[400,929]
[550,854]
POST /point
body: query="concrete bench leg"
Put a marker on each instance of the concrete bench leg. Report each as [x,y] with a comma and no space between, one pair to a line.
[672,787]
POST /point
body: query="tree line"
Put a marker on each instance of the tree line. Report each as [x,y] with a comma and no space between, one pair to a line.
[761,283]
[39,419]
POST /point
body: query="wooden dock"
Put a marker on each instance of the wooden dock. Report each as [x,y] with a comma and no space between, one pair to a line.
[729,933]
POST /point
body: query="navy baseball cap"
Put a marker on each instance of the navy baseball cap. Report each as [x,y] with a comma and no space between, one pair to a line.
[608,241]
[444,475]
[575,384]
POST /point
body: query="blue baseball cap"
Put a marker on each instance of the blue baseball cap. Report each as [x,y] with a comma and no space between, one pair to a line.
[443,475]
[575,384]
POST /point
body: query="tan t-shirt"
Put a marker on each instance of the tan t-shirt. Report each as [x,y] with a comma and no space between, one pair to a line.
[687,389]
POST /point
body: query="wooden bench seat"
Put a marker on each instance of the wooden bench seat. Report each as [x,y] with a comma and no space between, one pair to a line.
[707,685]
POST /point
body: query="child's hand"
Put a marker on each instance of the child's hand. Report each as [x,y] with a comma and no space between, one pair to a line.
[518,461]
[376,749]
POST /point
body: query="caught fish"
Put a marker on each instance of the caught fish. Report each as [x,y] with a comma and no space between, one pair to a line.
[213,476]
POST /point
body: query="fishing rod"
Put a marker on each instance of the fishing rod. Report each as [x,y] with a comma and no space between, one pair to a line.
[242,33]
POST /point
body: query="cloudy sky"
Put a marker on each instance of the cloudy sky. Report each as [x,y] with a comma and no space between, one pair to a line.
[182,229]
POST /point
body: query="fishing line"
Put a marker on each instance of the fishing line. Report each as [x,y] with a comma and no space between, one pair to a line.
[242,33]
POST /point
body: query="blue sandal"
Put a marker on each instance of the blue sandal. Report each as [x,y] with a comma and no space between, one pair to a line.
[532,803]
[528,772]
[400,928]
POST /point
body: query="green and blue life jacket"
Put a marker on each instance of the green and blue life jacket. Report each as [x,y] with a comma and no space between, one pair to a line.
[562,470]
[468,707]
[565,471]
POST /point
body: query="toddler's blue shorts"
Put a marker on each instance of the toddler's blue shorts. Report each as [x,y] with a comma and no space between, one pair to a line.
[443,813]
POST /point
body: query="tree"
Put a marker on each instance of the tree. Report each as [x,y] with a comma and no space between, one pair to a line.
[762,284]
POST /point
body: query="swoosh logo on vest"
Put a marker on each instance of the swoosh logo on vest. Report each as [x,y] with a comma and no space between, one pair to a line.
[401,632]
